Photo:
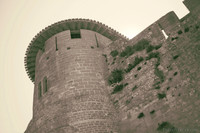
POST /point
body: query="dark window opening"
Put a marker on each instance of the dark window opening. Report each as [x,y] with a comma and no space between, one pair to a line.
[75,34]
[45,84]
[56,43]
[39,90]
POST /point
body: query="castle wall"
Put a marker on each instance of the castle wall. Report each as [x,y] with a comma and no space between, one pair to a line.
[77,98]
[147,102]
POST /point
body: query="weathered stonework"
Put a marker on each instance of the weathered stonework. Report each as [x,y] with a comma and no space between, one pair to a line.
[158,94]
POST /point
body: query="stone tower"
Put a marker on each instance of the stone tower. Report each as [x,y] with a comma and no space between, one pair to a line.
[90,79]
[65,63]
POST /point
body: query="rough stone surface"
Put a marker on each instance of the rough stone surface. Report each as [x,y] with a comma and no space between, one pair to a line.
[162,89]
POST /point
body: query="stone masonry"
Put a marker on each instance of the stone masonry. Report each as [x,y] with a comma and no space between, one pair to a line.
[88,78]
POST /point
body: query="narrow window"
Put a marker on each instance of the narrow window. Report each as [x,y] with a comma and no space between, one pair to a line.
[166,36]
[45,84]
[75,34]
[96,41]
[56,43]
[39,90]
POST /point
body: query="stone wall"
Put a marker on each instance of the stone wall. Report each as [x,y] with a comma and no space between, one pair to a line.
[162,93]
[77,97]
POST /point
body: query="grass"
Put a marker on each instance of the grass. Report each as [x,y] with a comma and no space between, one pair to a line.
[114,53]
[134,64]
[116,76]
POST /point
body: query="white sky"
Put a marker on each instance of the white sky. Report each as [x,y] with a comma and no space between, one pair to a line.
[21,20]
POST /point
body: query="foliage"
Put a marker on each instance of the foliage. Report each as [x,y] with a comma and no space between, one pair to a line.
[135,87]
[153,55]
[180,32]
[114,53]
[134,64]
[139,46]
[140,115]
[175,57]
[161,95]
[175,73]
[149,48]
[166,126]
[159,74]
[119,88]
[116,76]
[127,52]
[186,29]
[152,112]
[105,57]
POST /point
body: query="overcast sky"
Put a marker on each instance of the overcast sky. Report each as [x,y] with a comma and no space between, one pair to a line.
[21,20]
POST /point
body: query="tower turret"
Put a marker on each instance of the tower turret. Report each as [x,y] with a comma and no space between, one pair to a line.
[65,63]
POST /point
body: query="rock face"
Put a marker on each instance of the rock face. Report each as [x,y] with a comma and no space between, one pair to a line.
[90,79]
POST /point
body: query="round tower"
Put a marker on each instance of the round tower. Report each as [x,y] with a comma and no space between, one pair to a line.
[65,63]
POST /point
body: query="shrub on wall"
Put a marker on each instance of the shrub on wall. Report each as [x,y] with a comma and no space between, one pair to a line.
[161,95]
[116,76]
[119,88]
[134,64]
[166,126]
[114,53]
[139,46]
[140,115]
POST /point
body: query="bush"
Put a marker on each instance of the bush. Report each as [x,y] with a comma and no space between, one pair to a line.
[127,52]
[152,112]
[149,48]
[105,57]
[139,68]
[119,88]
[134,64]
[157,87]
[186,29]
[153,55]
[167,126]
[116,76]
[159,74]
[140,115]
[135,87]
[158,46]
[114,53]
[180,32]
[161,95]
[175,73]
[141,45]
[175,57]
